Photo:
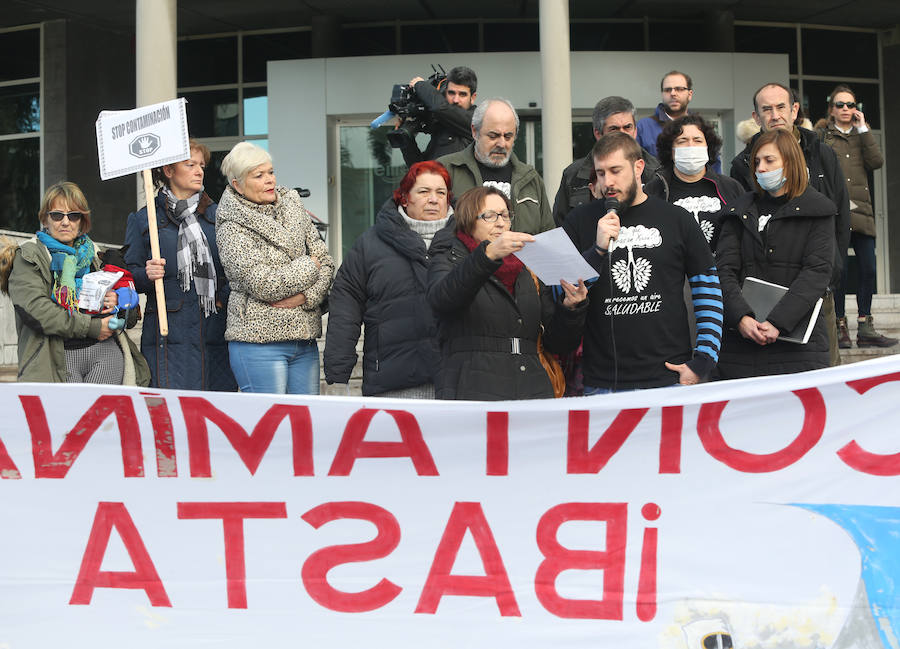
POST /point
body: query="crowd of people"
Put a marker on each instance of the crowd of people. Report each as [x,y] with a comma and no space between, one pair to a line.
[449,310]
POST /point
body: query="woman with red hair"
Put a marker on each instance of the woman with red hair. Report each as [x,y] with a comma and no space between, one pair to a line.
[382,284]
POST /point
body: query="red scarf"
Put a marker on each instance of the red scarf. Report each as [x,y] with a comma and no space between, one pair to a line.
[507,273]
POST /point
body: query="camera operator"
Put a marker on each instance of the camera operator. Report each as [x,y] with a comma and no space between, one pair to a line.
[451,109]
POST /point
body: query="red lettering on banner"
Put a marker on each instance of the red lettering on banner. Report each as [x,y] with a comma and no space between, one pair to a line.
[233,515]
[809,435]
[558,559]
[495,582]
[251,448]
[646,595]
[8,468]
[353,444]
[497,443]
[56,465]
[316,567]
[163,436]
[582,460]
[854,455]
[144,577]
[670,439]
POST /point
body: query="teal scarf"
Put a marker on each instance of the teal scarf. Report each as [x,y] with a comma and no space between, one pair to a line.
[68,265]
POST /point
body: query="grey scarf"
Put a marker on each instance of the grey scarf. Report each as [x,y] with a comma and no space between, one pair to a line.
[195,261]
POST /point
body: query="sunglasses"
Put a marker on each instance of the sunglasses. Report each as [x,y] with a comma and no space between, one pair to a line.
[849,104]
[74,217]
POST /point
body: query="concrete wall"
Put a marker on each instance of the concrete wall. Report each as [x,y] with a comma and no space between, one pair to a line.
[306,97]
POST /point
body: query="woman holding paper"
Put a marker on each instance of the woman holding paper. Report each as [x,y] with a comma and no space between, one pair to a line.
[194,355]
[58,341]
[280,272]
[782,233]
[491,310]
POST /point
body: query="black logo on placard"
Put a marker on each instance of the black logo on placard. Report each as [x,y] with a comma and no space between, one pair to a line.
[144,145]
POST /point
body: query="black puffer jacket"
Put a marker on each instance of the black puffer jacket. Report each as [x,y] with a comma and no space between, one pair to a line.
[481,324]
[825,176]
[796,250]
[382,283]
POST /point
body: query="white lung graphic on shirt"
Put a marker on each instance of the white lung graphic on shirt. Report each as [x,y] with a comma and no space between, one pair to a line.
[634,271]
[506,188]
[697,204]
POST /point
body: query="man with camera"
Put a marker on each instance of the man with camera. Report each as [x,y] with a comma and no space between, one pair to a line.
[451,109]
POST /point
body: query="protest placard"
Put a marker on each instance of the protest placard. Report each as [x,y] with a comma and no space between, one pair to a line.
[130,141]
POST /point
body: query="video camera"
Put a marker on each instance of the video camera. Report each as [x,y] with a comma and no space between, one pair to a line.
[414,116]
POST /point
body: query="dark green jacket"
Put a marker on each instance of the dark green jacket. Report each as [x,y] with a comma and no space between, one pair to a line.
[529,198]
[42,325]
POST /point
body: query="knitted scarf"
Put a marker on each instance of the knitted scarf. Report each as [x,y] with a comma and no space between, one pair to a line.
[195,262]
[425,229]
[68,264]
[508,271]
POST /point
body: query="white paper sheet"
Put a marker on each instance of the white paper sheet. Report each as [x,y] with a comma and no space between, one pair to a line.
[552,256]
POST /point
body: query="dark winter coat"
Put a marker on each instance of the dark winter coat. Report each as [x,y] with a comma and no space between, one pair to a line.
[727,188]
[795,250]
[382,284]
[574,188]
[481,324]
[194,355]
[859,155]
[825,176]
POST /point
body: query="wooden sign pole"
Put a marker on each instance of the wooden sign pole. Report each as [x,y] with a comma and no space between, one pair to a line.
[154,253]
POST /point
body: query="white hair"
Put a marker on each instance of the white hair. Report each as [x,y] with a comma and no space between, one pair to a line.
[243,158]
[481,109]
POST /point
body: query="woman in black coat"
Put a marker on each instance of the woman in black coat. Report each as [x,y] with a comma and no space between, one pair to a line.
[381,283]
[194,355]
[490,310]
[784,234]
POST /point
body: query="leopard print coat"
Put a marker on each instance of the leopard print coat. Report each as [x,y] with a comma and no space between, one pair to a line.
[266,251]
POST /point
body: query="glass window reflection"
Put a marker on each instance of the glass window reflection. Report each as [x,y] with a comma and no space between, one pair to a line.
[20,110]
[20,174]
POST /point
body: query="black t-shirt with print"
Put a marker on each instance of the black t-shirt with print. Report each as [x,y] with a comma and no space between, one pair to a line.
[499,177]
[701,200]
[637,318]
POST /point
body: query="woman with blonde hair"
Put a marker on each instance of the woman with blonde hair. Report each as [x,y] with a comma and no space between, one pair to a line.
[59,342]
[280,272]
[782,233]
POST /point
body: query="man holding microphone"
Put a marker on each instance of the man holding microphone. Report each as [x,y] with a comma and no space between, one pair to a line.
[637,333]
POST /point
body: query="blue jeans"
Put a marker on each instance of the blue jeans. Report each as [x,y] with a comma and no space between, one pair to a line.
[591,390]
[289,367]
[864,247]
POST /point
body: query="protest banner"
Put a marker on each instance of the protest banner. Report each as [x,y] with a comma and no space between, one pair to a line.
[760,513]
[138,140]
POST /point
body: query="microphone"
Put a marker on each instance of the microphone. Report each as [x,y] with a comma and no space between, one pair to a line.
[611,204]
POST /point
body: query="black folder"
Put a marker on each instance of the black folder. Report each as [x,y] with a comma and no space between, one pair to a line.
[762,296]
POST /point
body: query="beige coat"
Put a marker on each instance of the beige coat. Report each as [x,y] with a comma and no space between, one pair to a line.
[266,251]
[859,154]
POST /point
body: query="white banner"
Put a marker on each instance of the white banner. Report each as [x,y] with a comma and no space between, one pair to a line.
[755,514]
[129,141]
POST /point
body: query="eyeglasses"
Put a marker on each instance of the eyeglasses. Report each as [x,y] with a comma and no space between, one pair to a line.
[849,104]
[490,216]
[73,217]
[675,89]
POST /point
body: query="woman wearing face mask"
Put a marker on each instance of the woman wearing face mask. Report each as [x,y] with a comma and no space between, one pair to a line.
[782,233]
[686,148]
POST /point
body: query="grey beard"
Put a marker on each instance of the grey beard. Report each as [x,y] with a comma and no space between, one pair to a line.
[487,162]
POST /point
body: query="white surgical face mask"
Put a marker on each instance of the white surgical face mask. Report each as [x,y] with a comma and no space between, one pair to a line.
[772,180]
[690,160]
